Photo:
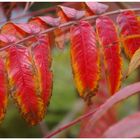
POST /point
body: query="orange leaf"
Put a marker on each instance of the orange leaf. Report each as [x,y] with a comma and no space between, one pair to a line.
[45,22]
[12,29]
[84,59]
[108,39]
[129,26]
[42,59]
[6,39]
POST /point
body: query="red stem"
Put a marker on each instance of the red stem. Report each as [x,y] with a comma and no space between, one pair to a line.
[67,24]
[70,124]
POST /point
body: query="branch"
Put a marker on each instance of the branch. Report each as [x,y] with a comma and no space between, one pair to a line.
[69,24]
[119,96]
[70,124]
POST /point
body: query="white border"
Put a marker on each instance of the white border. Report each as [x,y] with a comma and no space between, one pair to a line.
[70,1]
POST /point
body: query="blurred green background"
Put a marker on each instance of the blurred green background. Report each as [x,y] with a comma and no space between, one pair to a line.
[64,98]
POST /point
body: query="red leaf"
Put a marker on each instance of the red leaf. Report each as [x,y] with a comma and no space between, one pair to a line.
[3,89]
[84,59]
[22,82]
[27,28]
[6,39]
[129,127]
[68,14]
[129,27]
[95,8]
[58,35]
[42,59]
[20,30]
[38,22]
[12,29]
[108,39]
[116,98]
[45,22]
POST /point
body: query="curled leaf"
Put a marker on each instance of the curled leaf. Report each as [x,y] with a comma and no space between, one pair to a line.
[84,59]
[38,22]
[134,63]
[129,28]
[19,31]
[95,8]
[54,22]
[109,42]
[12,29]
[68,14]
[26,28]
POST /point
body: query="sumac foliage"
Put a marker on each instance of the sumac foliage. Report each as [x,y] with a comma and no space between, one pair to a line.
[130,30]
[84,59]
[111,51]
[22,82]
[96,63]
[3,89]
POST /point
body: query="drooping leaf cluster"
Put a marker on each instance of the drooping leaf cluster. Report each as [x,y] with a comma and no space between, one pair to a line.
[25,67]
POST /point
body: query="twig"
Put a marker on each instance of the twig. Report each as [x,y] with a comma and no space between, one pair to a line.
[27,6]
[38,12]
[69,24]
[70,124]
[112,13]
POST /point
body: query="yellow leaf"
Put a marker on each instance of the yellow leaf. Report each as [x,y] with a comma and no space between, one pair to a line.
[134,63]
